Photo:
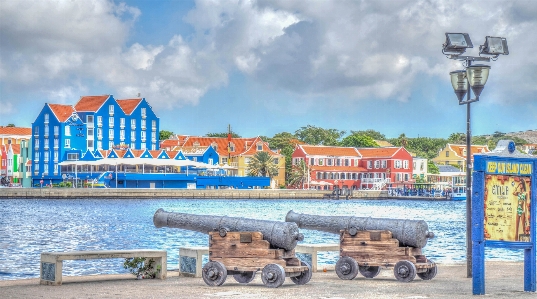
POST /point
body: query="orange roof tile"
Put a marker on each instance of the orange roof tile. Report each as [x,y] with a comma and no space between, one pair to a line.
[379,152]
[460,149]
[62,112]
[91,103]
[324,150]
[242,146]
[128,105]
[137,153]
[16,149]
[15,131]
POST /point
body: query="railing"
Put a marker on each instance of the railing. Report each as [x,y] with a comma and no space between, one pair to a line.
[378,183]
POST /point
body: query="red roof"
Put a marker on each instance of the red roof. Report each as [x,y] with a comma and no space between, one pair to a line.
[91,103]
[460,150]
[323,150]
[379,152]
[62,112]
[128,105]
[242,146]
[16,149]
[15,131]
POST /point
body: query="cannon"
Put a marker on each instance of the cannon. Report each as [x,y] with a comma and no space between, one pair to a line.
[241,247]
[367,244]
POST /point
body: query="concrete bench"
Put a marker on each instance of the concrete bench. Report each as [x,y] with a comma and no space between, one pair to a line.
[309,252]
[190,260]
[52,262]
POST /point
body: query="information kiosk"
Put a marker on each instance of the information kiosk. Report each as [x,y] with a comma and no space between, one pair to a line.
[503,209]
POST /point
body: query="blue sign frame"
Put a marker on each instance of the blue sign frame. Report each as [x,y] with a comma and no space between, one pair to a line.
[507,164]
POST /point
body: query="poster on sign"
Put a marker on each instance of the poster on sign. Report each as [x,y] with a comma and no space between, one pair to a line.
[507,208]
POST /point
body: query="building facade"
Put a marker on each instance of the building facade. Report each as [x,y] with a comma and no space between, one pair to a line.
[65,132]
[455,155]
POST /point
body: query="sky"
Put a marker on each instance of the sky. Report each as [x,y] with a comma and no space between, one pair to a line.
[270,66]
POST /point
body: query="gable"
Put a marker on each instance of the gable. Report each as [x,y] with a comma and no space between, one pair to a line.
[128,105]
[62,112]
[91,103]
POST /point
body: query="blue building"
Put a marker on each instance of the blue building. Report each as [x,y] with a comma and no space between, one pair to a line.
[65,132]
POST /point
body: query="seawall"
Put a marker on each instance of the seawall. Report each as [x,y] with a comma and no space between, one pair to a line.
[43,193]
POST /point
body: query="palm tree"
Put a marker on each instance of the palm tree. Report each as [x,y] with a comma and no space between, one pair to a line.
[262,164]
[299,174]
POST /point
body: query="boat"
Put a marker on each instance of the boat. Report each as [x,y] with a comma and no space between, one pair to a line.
[458,187]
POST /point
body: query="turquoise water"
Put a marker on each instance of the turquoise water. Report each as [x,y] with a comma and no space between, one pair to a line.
[29,227]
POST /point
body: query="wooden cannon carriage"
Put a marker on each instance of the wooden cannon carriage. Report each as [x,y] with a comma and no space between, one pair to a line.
[367,251]
[242,254]
[241,247]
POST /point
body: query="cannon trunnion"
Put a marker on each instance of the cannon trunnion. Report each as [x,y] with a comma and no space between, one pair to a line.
[240,247]
[368,248]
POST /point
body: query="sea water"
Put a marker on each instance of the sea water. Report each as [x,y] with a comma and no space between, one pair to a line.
[31,226]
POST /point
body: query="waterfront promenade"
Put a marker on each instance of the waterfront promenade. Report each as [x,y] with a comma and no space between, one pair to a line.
[77,193]
[503,280]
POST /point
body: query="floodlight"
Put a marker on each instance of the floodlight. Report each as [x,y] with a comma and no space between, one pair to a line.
[477,76]
[494,46]
[457,43]
[459,82]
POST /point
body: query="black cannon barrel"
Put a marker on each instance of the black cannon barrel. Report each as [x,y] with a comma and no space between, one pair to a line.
[279,234]
[413,233]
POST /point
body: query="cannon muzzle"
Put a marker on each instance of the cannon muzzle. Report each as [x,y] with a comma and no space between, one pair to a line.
[279,234]
[413,233]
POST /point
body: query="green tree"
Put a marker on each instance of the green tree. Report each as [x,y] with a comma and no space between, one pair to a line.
[163,134]
[299,174]
[262,164]
[10,125]
[457,138]
[371,133]
[286,143]
[432,168]
[318,136]
[358,140]
[223,134]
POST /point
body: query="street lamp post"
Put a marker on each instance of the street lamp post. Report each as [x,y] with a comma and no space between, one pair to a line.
[476,76]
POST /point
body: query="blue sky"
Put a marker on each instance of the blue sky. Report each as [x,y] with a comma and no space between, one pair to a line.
[266,67]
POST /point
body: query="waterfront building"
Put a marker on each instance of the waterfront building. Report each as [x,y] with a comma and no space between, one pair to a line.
[419,168]
[234,153]
[65,132]
[455,154]
[14,135]
[354,168]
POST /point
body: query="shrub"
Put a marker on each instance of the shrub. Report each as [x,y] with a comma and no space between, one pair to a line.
[140,268]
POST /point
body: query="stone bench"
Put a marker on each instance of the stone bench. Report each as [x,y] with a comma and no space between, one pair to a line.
[191,258]
[52,262]
[309,252]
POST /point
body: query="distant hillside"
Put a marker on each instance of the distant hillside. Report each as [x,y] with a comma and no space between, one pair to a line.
[530,136]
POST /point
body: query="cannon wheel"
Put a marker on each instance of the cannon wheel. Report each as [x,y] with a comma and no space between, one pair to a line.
[430,274]
[273,275]
[346,268]
[304,277]
[214,273]
[244,277]
[404,271]
[369,271]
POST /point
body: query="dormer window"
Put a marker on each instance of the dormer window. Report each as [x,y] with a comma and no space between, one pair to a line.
[259,146]
[111,109]
[231,147]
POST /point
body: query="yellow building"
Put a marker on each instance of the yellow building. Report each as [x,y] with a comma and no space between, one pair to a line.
[455,154]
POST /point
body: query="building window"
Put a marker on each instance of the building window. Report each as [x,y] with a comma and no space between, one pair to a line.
[72,156]
[56,130]
[122,134]
[329,162]
[142,146]
[397,163]
[377,164]
[133,136]
[346,162]
[143,113]
[55,155]
[90,144]
[224,160]
[447,154]
[111,133]
[405,164]
[321,162]
[46,143]
[110,144]
[46,131]
[384,164]
[369,164]
[46,118]
[133,124]
[45,157]
[45,168]
[36,131]
[67,143]
[55,168]
[36,157]
[259,146]
[36,143]
[154,123]
[231,147]
[67,130]
[111,121]
[312,161]
[276,161]
[338,162]
[111,109]
[99,145]
[122,122]
[143,136]
[99,121]
[90,132]
[143,124]
[89,119]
